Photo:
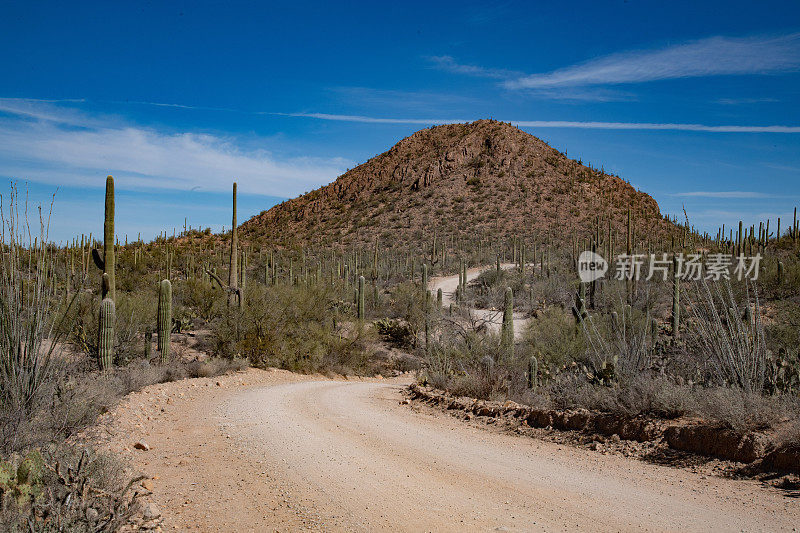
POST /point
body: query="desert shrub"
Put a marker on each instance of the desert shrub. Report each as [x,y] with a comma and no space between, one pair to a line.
[406,303]
[619,345]
[300,328]
[396,331]
[465,363]
[555,339]
[136,314]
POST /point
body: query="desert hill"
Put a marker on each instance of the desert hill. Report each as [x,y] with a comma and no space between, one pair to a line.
[486,179]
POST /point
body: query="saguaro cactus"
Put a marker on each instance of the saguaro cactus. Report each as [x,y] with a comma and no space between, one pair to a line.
[427,322]
[439,298]
[164,326]
[507,330]
[233,271]
[361,290]
[676,298]
[105,342]
[425,276]
[533,373]
[109,260]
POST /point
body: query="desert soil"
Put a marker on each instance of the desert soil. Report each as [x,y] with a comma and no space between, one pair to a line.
[276,451]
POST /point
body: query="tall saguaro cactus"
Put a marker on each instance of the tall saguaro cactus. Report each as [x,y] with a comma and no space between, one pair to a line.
[105,345]
[233,272]
[164,325]
[507,330]
[109,262]
[105,342]
[361,290]
[676,298]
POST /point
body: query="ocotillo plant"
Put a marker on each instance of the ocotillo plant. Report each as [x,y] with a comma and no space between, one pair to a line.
[105,342]
[361,290]
[676,298]
[164,326]
[507,330]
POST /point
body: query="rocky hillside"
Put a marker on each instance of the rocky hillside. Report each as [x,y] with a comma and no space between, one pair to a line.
[486,179]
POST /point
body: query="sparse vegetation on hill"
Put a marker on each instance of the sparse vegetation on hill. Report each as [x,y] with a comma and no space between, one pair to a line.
[482,180]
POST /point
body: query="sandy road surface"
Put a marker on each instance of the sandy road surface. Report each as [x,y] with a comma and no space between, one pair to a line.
[276,451]
[494,319]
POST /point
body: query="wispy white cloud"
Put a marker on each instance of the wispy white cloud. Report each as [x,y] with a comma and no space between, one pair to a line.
[63,146]
[559,124]
[705,57]
[401,99]
[725,194]
[745,101]
[449,64]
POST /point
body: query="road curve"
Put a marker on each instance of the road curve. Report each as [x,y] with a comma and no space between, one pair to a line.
[493,319]
[357,459]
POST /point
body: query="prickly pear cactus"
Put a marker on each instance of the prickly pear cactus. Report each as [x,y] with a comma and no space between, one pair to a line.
[23,482]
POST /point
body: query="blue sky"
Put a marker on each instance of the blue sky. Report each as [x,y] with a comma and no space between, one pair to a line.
[695,103]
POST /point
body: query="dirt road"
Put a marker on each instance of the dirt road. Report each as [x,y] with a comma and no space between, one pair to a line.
[493,318]
[277,451]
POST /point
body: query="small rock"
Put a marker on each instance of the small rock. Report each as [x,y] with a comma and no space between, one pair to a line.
[147,484]
[219,384]
[151,511]
[142,445]
[405,402]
